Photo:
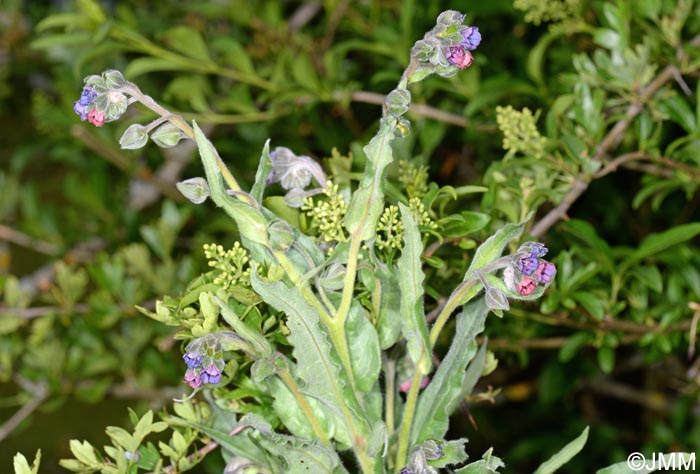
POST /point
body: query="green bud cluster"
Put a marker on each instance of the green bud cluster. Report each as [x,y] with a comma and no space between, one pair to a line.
[413,178]
[520,133]
[422,216]
[327,214]
[389,229]
[232,265]
[547,11]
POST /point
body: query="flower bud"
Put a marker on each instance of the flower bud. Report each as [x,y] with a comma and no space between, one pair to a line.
[167,135]
[194,189]
[496,299]
[134,137]
[114,79]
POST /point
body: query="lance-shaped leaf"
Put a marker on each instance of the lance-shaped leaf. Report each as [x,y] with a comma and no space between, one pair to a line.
[564,455]
[443,394]
[317,364]
[262,346]
[264,168]
[493,247]
[365,355]
[411,285]
[389,319]
[368,201]
[300,456]
[249,219]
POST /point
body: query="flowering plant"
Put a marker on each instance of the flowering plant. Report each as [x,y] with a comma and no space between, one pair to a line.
[322,326]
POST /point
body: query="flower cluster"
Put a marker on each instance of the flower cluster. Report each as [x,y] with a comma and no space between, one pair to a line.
[446,48]
[529,269]
[520,132]
[328,215]
[232,264]
[101,99]
[86,110]
[460,54]
[205,363]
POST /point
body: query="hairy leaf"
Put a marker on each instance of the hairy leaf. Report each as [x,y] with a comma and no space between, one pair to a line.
[411,285]
[445,390]
[564,455]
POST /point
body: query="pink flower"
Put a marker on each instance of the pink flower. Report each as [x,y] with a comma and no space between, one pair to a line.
[459,56]
[405,386]
[526,286]
[192,378]
[96,118]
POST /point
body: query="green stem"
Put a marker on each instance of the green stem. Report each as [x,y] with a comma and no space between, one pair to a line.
[294,388]
[335,329]
[456,299]
[178,121]
[407,421]
[390,402]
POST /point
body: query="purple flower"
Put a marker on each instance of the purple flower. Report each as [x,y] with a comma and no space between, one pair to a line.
[459,56]
[193,359]
[82,105]
[545,272]
[528,264]
[471,37]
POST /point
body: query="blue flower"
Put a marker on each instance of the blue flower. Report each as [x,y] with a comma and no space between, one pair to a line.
[193,359]
[471,38]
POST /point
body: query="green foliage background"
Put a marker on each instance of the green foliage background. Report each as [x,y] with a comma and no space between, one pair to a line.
[89,231]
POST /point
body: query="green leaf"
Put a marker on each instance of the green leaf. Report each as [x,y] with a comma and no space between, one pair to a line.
[564,455]
[535,58]
[264,168]
[316,360]
[365,355]
[493,247]
[657,243]
[367,202]
[606,359]
[572,346]
[252,335]
[591,303]
[301,456]
[437,402]
[291,414]
[389,319]
[649,276]
[21,465]
[487,465]
[466,222]
[92,10]
[145,65]
[250,221]
[187,41]
[680,112]
[411,285]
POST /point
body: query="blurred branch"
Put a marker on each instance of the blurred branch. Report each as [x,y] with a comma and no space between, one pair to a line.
[634,332]
[608,144]
[653,400]
[40,390]
[106,151]
[42,278]
[20,238]
[209,447]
